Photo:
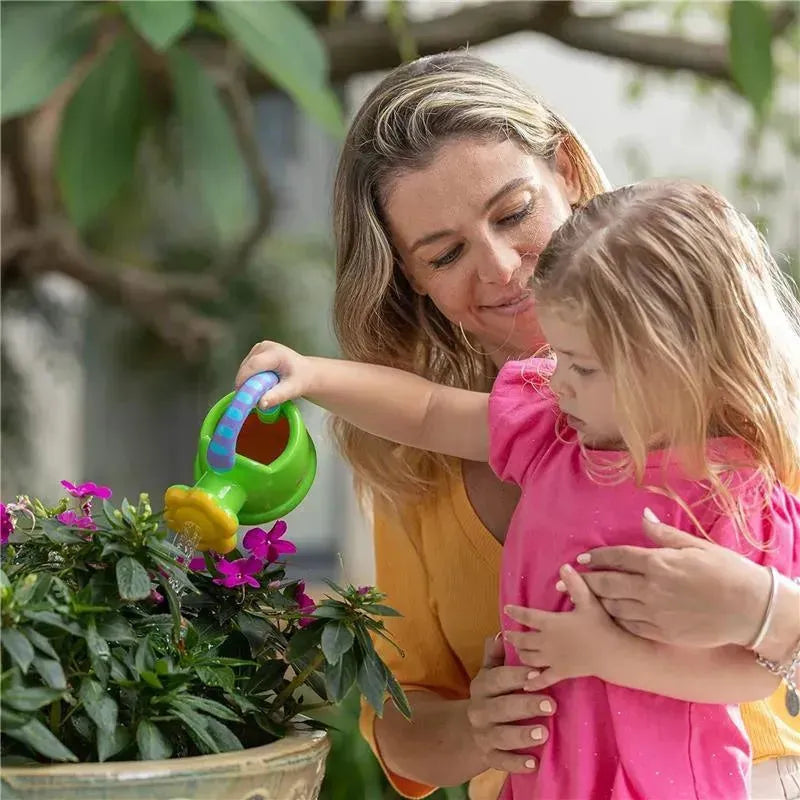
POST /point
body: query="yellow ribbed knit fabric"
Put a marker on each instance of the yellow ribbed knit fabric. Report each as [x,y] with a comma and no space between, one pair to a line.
[440,567]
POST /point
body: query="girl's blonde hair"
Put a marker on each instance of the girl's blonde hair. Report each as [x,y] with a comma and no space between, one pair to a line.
[377,316]
[694,322]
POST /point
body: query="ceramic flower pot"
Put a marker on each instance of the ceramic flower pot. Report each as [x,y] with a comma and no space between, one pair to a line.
[289,769]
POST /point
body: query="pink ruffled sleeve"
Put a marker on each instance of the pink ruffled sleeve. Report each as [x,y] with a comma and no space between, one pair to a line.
[522,417]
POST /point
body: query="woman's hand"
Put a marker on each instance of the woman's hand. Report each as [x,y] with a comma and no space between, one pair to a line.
[687,591]
[295,372]
[496,703]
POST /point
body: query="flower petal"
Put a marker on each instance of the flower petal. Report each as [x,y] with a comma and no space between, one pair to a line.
[277,530]
[252,565]
[255,537]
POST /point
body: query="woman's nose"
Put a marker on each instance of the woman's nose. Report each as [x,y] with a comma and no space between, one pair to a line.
[498,263]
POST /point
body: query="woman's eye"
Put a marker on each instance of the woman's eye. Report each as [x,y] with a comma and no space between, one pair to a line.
[448,258]
[517,216]
[583,371]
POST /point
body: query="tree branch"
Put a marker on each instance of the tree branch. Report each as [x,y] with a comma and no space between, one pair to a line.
[241,110]
[154,299]
[361,45]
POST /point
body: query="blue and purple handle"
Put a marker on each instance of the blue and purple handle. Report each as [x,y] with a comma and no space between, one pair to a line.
[222,448]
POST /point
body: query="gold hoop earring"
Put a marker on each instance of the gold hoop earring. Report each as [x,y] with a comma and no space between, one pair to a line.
[481,352]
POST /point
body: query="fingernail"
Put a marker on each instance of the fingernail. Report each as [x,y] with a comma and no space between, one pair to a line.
[531,763]
[650,516]
[546,706]
[498,635]
[584,558]
[561,586]
[537,734]
[534,673]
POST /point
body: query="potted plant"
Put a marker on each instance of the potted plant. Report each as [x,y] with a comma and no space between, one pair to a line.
[132,667]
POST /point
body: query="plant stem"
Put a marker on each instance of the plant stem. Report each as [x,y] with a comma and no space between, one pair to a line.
[55,716]
[298,680]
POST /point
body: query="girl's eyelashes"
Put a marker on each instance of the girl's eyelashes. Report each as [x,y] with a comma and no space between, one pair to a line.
[584,372]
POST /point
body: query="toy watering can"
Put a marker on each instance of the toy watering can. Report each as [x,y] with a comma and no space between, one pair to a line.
[252,466]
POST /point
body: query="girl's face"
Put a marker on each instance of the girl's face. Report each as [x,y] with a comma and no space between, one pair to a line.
[469,229]
[584,389]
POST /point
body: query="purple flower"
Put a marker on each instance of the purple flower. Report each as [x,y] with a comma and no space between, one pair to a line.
[6,524]
[197,564]
[87,490]
[362,590]
[268,545]
[156,597]
[239,572]
[305,603]
[71,519]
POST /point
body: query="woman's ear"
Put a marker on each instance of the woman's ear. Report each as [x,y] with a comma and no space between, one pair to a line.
[566,172]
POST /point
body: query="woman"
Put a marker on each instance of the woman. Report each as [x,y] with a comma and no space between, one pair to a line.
[452,179]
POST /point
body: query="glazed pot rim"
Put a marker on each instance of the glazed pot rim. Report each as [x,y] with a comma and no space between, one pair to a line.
[295,746]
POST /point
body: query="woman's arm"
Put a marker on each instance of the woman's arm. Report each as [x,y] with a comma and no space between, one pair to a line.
[585,641]
[692,592]
[383,401]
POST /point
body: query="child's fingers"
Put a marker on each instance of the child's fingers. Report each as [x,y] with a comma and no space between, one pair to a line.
[280,393]
[529,617]
[580,594]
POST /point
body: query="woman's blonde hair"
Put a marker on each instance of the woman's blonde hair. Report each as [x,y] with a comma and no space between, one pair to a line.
[694,322]
[377,316]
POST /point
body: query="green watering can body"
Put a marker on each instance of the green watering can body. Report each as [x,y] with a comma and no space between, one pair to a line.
[251,467]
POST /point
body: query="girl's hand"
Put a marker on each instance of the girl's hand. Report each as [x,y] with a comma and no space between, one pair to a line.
[295,372]
[496,703]
[687,591]
[563,644]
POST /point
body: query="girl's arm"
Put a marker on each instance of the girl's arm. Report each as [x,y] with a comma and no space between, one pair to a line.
[586,641]
[383,401]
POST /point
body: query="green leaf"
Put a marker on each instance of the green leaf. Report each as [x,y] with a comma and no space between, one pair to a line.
[133,581]
[153,745]
[380,611]
[56,620]
[109,511]
[41,43]
[5,583]
[397,694]
[61,534]
[18,647]
[39,738]
[195,725]
[266,676]
[750,50]
[51,672]
[304,640]
[101,708]
[40,642]
[174,604]
[225,739]
[218,676]
[30,698]
[372,681]
[108,746]
[101,127]
[128,512]
[337,639]
[115,628]
[151,679]
[210,152]
[329,612]
[339,677]
[283,44]
[211,707]
[160,23]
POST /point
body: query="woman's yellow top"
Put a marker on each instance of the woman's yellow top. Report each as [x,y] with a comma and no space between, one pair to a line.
[440,567]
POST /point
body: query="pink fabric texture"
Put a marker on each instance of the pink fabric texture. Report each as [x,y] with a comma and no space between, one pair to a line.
[608,742]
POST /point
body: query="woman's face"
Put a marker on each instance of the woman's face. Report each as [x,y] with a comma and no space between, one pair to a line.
[469,229]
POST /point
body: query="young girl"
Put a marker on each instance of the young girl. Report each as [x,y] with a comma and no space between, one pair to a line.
[672,389]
